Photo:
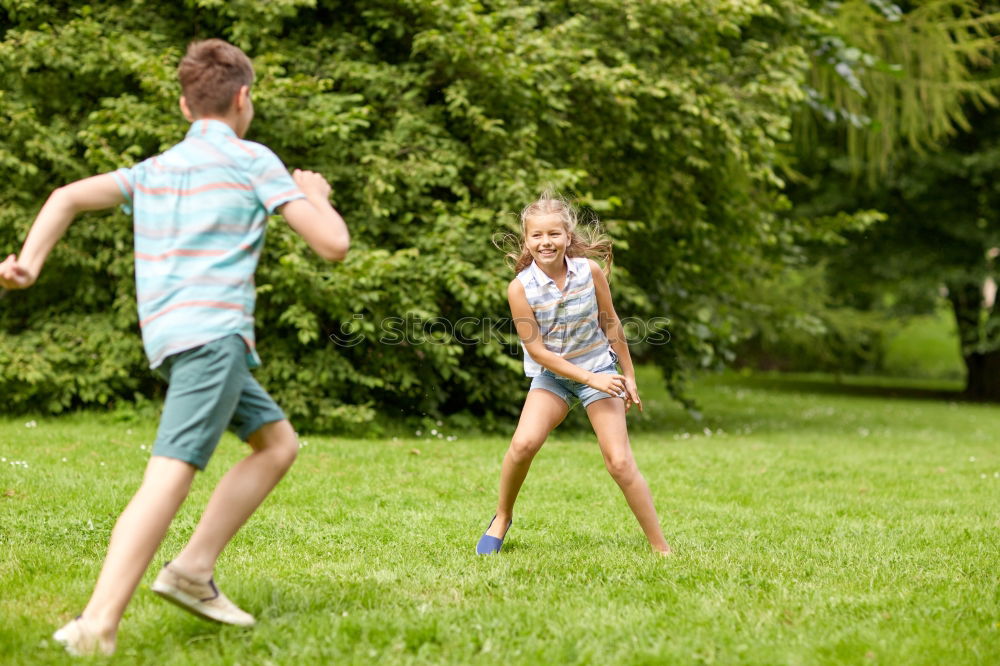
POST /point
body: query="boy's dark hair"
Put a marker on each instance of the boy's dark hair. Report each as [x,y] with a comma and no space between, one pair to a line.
[211,73]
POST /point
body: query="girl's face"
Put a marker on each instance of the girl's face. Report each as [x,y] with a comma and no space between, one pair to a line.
[546,239]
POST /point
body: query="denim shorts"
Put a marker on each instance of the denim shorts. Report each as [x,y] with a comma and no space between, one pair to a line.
[210,389]
[569,390]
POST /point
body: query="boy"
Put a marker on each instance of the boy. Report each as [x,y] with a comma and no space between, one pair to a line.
[200,210]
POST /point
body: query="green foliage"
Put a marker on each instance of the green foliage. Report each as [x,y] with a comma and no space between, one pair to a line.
[916,91]
[894,80]
[434,121]
[938,238]
[803,328]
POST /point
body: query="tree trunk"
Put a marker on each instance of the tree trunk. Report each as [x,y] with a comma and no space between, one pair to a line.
[983,367]
[983,379]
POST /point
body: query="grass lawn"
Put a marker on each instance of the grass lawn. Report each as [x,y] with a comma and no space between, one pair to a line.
[813,523]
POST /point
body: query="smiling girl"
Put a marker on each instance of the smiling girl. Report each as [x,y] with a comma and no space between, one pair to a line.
[572,339]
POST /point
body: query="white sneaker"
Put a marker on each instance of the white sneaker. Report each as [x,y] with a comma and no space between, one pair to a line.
[202,599]
[81,643]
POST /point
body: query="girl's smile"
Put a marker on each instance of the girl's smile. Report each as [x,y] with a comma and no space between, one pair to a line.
[547,240]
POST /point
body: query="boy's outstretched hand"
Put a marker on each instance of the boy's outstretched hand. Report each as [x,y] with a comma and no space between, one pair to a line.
[15,276]
[315,219]
[312,184]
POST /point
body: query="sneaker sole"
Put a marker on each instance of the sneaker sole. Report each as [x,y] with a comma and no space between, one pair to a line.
[191,605]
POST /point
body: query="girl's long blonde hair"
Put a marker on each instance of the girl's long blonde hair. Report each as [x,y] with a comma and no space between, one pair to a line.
[586,240]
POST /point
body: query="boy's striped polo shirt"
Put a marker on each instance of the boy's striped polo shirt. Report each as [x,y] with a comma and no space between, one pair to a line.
[200,210]
[568,318]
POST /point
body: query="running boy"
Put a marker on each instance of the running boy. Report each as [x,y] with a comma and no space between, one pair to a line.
[200,211]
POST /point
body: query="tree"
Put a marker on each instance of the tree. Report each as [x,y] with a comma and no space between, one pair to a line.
[940,232]
[894,79]
[435,121]
[938,185]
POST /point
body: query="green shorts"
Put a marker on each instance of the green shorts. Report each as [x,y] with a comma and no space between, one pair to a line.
[210,389]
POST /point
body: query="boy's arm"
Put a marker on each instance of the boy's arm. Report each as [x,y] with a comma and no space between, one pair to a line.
[94,193]
[315,219]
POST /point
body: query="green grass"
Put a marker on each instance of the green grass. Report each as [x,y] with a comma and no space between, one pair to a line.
[814,523]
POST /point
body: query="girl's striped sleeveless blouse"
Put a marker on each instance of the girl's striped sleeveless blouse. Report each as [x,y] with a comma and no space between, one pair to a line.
[567,319]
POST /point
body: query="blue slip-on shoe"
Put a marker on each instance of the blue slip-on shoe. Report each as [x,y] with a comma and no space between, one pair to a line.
[490,545]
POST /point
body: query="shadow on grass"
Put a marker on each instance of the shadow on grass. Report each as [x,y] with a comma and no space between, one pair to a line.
[723,405]
[883,389]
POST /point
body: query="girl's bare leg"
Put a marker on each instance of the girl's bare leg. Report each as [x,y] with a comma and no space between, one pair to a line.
[542,412]
[608,418]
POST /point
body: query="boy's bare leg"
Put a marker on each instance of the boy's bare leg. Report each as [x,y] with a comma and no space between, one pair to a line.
[542,412]
[136,536]
[237,496]
[608,419]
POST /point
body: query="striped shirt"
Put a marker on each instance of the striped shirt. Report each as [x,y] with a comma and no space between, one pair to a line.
[200,211]
[567,318]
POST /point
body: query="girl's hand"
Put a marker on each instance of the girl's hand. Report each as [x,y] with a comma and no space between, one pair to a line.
[13,275]
[632,394]
[613,384]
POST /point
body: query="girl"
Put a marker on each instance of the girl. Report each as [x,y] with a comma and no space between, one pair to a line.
[561,305]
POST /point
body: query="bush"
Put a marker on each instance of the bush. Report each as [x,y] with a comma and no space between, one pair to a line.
[800,328]
[434,121]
